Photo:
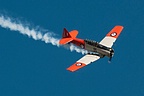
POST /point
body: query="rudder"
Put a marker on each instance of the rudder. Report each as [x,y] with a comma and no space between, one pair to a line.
[66,37]
[66,34]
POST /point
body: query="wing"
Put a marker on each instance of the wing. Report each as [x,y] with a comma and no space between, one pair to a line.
[112,36]
[87,59]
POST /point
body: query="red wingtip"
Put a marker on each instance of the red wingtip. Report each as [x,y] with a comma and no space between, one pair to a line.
[76,66]
[115,32]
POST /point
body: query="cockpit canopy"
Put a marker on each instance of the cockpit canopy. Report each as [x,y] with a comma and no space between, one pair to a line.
[91,42]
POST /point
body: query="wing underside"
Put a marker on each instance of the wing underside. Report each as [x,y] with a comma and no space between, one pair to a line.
[112,36]
[87,59]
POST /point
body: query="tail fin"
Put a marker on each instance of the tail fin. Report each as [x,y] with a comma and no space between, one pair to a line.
[68,36]
[65,34]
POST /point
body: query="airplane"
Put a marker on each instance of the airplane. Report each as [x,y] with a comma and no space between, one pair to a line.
[95,50]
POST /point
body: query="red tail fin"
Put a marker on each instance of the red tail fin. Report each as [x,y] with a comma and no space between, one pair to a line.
[65,34]
[68,36]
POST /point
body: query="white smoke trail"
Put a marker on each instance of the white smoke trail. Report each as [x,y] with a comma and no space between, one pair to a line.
[7,22]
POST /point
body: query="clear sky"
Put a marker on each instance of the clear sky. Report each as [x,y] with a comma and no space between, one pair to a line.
[34,68]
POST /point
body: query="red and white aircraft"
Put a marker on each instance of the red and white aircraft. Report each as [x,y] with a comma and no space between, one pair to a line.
[95,50]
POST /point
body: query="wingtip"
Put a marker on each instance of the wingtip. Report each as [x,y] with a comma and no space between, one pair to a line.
[70,70]
[64,41]
[76,66]
[115,32]
[120,26]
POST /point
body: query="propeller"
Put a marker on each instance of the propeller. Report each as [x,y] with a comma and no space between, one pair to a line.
[110,59]
[111,55]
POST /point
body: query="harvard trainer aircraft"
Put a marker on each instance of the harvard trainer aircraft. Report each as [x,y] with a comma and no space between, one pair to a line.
[95,50]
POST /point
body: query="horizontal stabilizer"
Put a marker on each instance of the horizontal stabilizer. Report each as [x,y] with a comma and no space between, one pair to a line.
[73,33]
[65,41]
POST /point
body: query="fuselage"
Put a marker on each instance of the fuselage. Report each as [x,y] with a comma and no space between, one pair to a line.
[94,47]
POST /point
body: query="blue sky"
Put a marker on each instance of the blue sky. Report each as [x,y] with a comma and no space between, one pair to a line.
[34,68]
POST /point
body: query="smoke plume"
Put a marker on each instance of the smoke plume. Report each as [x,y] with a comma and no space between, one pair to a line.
[16,25]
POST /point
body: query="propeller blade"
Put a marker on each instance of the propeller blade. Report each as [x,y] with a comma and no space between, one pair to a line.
[110,59]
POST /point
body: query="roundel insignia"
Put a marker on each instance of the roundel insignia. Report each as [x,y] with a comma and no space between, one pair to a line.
[78,64]
[113,34]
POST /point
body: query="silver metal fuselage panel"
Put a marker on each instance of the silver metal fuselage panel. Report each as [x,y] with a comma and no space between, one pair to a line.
[93,46]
